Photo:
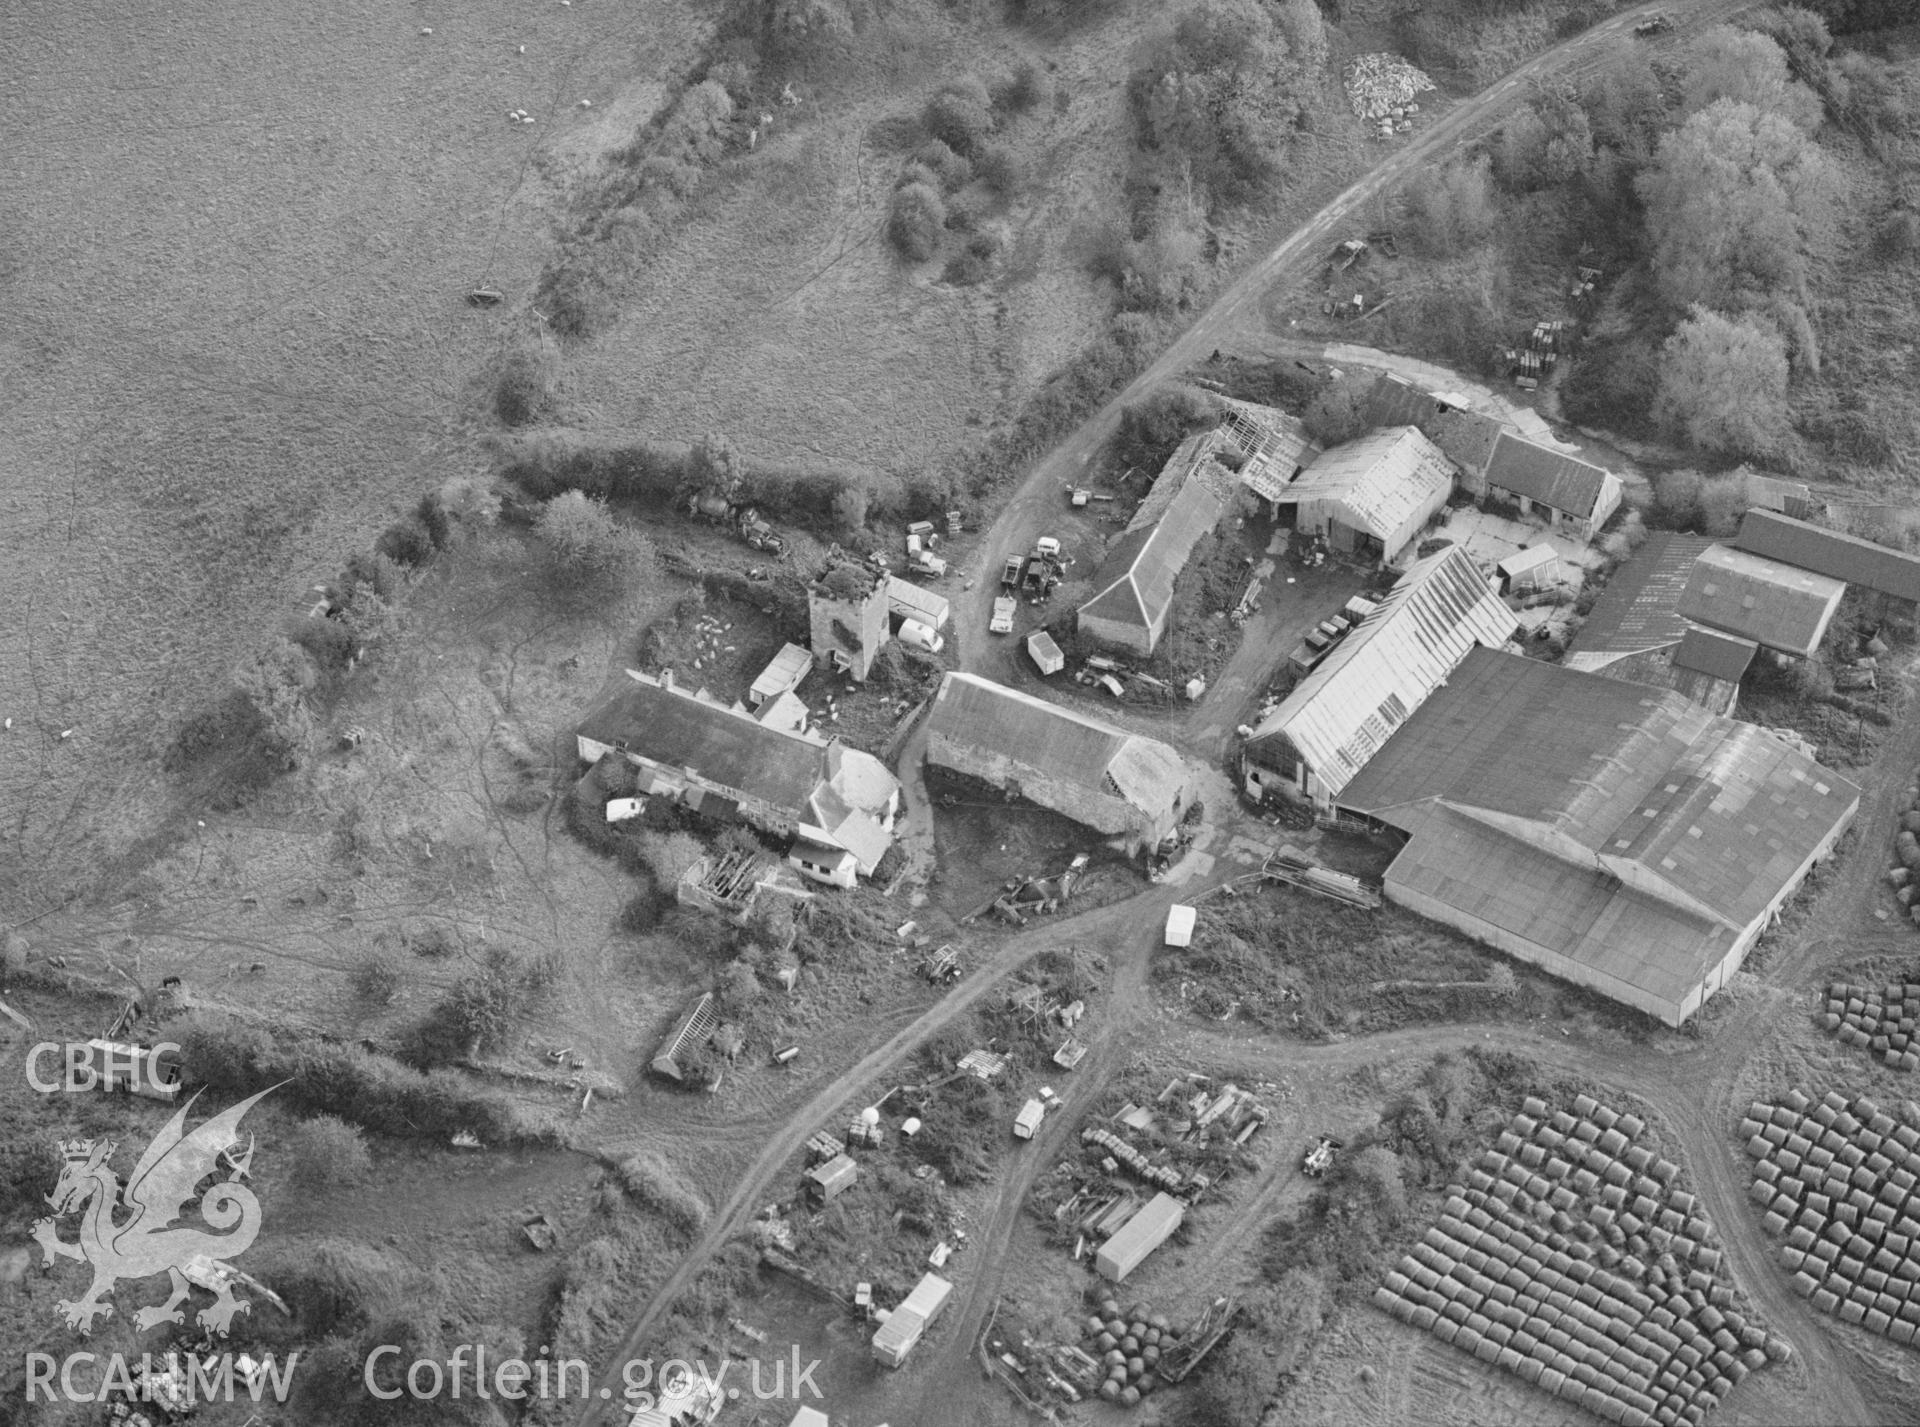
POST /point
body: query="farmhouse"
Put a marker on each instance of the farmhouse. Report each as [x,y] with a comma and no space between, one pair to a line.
[1134,583]
[1130,788]
[1892,573]
[1327,728]
[1371,497]
[1775,605]
[1618,836]
[729,766]
[1636,620]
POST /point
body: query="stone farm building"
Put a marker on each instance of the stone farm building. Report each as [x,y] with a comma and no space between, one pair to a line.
[729,766]
[1568,493]
[1371,497]
[1335,718]
[1615,835]
[1129,788]
[1273,448]
[1134,584]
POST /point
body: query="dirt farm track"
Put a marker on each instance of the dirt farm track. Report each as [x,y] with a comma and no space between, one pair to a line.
[233,244]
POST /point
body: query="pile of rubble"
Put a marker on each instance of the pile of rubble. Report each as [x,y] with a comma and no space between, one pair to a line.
[1382,87]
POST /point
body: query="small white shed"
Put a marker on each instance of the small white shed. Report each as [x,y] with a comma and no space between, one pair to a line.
[1529,569]
[1180,919]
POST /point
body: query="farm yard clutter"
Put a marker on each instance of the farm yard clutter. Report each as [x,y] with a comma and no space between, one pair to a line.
[1379,84]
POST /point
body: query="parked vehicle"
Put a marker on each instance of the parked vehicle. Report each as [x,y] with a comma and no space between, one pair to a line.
[1003,611]
[916,635]
[1653,25]
[1319,1159]
[1010,574]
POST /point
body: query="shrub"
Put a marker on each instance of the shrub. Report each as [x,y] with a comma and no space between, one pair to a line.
[1676,500]
[1026,88]
[973,263]
[573,299]
[960,115]
[650,1181]
[998,170]
[327,1150]
[375,981]
[586,545]
[640,913]
[522,384]
[940,164]
[406,542]
[1453,208]
[917,217]
[1154,426]
[1899,235]
[1337,412]
[476,1016]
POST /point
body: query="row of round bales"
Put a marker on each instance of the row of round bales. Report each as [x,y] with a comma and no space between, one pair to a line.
[1572,1259]
[1129,1347]
[1905,872]
[1884,1020]
[1840,1182]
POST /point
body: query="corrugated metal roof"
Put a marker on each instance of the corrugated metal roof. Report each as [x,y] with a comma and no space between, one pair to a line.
[1778,605]
[1721,656]
[1522,562]
[1550,477]
[784,671]
[1057,742]
[1136,578]
[1583,914]
[1380,673]
[917,602]
[1145,1231]
[1716,809]
[1828,552]
[1640,607]
[1274,444]
[1379,481]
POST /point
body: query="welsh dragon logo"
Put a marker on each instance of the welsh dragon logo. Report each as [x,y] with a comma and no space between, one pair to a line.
[146,1241]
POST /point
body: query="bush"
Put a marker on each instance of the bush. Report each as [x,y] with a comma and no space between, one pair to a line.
[1676,500]
[998,170]
[1026,88]
[650,1181]
[850,508]
[375,981]
[913,226]
[940,164]
[1152,428]
[406,542]
[574,301]
[961,116]
[475,1017]
[327,1150]
[586,545]
[1453,208]
[1899,235]
[640,913]
[522,385]
[1338,412]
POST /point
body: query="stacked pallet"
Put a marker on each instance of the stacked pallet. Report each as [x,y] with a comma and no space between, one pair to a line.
[1884,1020]
[1840,1182]
[1573,1259]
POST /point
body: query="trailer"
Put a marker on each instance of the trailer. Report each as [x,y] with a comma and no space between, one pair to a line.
[1180,919]
[1045,654]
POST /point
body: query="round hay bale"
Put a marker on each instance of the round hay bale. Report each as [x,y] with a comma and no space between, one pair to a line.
[1852,1311]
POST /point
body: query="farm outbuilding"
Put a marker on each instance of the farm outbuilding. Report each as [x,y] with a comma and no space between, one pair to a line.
[1327,728]
[1638,613]
[728,765]
[1617,836]
[1128,787]
[1565,491]
[781,676]
[1708,667]
[691,1031]
[827,1182]
[1273,447]
[1866,563]
[910,601]
[1528,569]
[1781,607]
[1140,1236]
[1371,497]
[1134,584]
[1180,920]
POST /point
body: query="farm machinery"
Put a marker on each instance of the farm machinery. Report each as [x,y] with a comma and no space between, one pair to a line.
[745,520]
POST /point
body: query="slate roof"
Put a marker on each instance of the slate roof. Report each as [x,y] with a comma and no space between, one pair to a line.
[1380,480]
[1058,742]
[1468,437]
[1780,606]
[1549,477]
[733,749]
[1395,401]
[1381,672]
[1640,607]
[1720,812]
[1828,552]
[1717,655]
[1136,578]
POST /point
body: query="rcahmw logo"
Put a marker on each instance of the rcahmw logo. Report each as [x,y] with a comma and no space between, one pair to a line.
[176,1383]
[135,1232]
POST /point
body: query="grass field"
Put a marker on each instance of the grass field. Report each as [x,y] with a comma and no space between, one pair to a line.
[233,337]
